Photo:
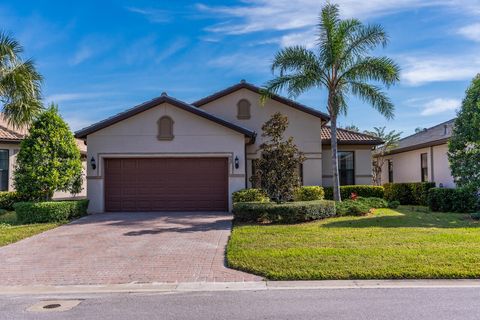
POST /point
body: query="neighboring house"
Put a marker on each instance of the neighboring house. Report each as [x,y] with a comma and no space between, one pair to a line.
[10,139]
[422,156]
[166,154]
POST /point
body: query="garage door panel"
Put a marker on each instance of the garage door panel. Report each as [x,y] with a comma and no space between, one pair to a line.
[166,184]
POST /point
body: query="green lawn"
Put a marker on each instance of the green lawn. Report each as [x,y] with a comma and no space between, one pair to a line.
[11,231]
[408,242]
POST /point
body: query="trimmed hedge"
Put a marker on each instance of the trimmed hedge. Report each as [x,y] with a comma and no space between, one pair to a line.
[250,195]
[360,190]
[50,211]
[453,200]
[9,198]
[414,193]
[288,212]
[309,193]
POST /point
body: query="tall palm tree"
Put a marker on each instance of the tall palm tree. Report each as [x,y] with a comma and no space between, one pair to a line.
[20,82]
[340,63]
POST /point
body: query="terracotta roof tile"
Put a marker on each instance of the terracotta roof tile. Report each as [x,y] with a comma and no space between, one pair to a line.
[349,137]
[9,135]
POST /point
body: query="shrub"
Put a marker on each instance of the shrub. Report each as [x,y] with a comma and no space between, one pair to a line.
[475,216]
[288,212]
[9,198]
[373,202]
[414,193]
[309,193]
[360,190]
[250,195]
[50,211]
[393,204]
[352,208]
[452,200]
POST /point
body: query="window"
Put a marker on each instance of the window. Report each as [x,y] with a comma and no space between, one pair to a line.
[165,128]
[346,167]
[4,164]
[390,171]
[243,109]
[424,166]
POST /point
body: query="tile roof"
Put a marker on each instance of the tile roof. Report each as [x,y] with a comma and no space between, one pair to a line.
[7,134]
[349,137]
[83,133]
[432,136]
[245,85]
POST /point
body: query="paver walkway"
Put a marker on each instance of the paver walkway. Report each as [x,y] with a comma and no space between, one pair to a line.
[113,248]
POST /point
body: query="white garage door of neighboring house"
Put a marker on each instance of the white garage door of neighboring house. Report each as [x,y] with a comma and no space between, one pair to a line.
[166,184]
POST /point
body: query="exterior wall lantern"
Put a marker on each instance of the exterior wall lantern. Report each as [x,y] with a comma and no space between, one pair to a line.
[93,164]
[237,162]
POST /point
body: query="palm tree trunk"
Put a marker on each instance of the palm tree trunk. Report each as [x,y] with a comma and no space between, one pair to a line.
[335,175]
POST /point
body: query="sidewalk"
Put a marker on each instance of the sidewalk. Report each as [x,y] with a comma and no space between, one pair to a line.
[238,286]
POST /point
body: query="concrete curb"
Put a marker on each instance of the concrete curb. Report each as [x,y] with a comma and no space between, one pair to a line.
[238,286]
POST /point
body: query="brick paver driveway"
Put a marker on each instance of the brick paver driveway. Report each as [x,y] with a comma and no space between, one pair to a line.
[112,248]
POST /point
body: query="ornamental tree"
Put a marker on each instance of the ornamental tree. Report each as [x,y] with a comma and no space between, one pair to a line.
[464,144]
[390,141]
[49,159]
[277,169]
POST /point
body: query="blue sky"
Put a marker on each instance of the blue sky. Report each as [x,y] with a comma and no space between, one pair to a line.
[101,57]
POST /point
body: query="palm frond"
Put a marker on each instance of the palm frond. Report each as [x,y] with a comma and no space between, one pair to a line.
[364,39]
[327,26]
[296,59]
[374,96]
[9,47]
[294,84]
[381,69]
[20,92]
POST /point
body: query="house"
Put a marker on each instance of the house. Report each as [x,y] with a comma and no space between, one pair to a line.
[421,157]
[10,139]
[167,155]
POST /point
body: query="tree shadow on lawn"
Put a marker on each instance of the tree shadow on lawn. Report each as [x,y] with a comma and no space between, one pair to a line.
[408,219]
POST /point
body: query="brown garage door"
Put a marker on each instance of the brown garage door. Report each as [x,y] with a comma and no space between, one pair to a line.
[166,184]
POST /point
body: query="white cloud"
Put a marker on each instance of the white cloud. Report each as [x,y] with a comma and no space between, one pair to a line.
[306,38]
[440,105]
[173,48]
[261,15]
[71,96]
[420,70]
[83,53]
[471,32]
[91,46]
[152,15]
[151,48]
[241,62]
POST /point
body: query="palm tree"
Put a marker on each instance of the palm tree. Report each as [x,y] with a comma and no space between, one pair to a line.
[19,84]
[340,64]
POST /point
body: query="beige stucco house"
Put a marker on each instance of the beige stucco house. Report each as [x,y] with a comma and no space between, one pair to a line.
[422,156]
[166,154]
[10,139]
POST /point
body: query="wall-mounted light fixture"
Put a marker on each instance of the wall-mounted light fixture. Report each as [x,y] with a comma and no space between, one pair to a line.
[237,163]
[93,164]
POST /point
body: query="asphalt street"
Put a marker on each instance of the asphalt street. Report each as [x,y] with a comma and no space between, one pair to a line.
[339,304]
